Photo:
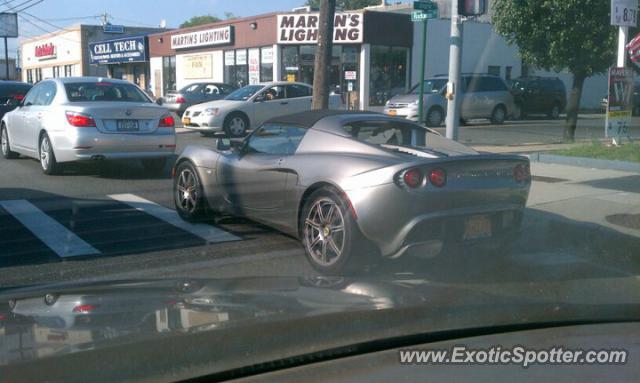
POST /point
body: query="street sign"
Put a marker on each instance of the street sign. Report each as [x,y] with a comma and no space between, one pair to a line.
[620,103]
[425,6]
[624,13]
[110,28]
[417,16]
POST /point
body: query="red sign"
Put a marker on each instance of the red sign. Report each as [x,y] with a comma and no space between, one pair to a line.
[45,50]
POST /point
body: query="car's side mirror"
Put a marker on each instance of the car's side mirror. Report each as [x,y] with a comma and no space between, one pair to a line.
[230,144]
[159,101]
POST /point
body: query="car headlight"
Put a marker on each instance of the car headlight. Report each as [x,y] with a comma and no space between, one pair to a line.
[416,102]
[212,111]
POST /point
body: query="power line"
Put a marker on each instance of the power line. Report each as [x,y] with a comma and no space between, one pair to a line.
[15,7]
[45,30]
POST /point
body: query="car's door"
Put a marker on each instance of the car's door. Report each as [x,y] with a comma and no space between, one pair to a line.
[472,98]
[255,179]
[535,103]
[299,97]
[270,102]
[20,120]
[39,112]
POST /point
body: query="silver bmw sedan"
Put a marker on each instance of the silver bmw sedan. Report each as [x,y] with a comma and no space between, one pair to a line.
[88,118]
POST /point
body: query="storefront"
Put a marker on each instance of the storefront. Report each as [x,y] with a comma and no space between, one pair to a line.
[66,53]
[127,58]
[368,60]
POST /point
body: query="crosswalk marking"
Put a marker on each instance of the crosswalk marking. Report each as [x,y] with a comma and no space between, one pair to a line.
[57,237]
[207,232]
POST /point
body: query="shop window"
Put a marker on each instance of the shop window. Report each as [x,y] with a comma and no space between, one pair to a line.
[388,73]
[236,68]
[38,74]
[169,73]
[290,64]
[298,64]
[56,71]
[68,70]
[30,76]
[494,70]
[266,64]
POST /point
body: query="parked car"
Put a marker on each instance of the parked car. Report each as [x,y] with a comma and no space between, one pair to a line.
[88,118]
[11,94]
[483,96]
[250,106]
[194,94]
[352,184]
[546,95]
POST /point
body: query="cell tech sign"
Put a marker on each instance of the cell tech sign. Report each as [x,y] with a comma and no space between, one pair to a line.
[45,51]
[303,28]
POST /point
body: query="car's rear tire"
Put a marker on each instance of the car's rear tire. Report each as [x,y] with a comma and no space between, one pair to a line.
[236,125]
[47,157]
[332,241]
[498,115]
[6,146]
[154,165]
[434,117]
[554,112]
[187,193]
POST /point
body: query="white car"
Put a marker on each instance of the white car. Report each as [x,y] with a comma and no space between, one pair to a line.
[88,118]
[250,106]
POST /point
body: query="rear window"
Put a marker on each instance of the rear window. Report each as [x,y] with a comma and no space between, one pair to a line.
[13,93]
[104,91]
[380,132]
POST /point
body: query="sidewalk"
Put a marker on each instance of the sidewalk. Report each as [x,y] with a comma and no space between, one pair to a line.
[608,198]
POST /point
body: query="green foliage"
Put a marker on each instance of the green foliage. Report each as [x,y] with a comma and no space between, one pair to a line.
[346,4]
[199,20]
[626,152]
[559,34]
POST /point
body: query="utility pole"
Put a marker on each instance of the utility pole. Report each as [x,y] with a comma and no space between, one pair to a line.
[6,57]
[454,94]
[323,55]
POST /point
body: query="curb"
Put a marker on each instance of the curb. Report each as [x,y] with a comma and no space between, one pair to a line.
[585,162]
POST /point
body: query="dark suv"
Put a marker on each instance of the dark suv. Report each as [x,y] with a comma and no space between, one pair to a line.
[11,94]
[545,95]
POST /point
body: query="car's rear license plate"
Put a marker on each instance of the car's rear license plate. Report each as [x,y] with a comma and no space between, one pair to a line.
[392,112]
[128,126]
[477,227]
[186,121]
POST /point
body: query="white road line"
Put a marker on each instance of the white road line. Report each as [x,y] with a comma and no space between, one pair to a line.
[209,233]
[57,237]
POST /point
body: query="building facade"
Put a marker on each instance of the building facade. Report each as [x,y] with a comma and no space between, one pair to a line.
[369,60]
[66,53]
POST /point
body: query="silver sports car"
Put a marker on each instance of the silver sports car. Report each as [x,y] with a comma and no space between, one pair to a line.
[88,118]
[352,184]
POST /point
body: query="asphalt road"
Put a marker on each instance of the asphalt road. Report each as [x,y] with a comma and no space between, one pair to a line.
[118,223]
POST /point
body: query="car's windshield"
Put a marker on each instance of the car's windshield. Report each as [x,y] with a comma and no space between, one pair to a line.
[244,93]
[430,86]
[104,91]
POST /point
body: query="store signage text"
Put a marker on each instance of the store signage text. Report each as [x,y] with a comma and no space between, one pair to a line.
[120,50]
[215,36]
[45,51]
[303,28]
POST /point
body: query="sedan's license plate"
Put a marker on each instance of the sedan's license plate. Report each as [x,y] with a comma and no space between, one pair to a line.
[128,126]
[392,112]
[186,121]
[477,227]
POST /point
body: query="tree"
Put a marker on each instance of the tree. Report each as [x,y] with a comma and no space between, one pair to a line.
[345,4]
[560,34]
[322,62]
[199,20]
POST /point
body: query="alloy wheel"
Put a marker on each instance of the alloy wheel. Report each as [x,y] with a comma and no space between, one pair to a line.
[187,191]
[324,232]
[5,142]
[44,152]
[237,126]
[435,118]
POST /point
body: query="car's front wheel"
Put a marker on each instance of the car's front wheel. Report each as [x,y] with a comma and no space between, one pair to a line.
[187,192]
[6,147]
[48,162]
[434,117]
[236,125]
[498,115]
[554,112]
[331,239]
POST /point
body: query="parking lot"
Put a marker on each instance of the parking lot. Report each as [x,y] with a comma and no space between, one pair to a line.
[118,222]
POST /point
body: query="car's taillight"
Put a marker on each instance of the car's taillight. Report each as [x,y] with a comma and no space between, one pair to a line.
[521,172]
[438,177]
[413,178]
[180,100]
[84,308]
[80,120]
[18,97]
[166,122]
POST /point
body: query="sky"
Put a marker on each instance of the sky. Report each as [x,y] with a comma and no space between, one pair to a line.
[146,13]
